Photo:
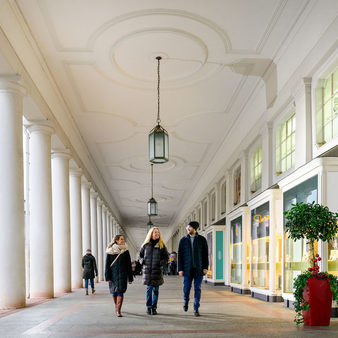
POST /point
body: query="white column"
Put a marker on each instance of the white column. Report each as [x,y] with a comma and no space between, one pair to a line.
[27,208]
[93,224]
[104,227]
[75,227]
[41,223]
[302,96]
[244,177]
[99,240]
[12,230]
[85,209]
[108,227]
[61,221]
[267,156]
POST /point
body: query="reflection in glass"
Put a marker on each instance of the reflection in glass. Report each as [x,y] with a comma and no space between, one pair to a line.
[296,254]
[333,257]
[260,231]
[236,250]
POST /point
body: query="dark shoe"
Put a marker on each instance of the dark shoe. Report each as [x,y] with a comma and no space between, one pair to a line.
[196,313]
[154,311]
[148,311]
[185,307]
[86,292]
[93,291]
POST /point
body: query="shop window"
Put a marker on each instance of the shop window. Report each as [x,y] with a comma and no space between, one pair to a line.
[256,170]
[327,109]
[297,255]
[236,249]
[237,186]
[223,198]
[260,240]
[286,144]
[213,207]
[333,257]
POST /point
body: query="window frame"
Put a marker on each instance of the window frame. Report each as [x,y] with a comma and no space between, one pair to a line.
[289,119]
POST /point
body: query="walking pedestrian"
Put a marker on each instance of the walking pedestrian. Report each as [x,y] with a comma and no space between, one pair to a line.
[153,256]
[118,270]
[89,270]
[192,264]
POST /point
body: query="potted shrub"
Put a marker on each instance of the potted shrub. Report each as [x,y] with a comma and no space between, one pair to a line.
[314,290]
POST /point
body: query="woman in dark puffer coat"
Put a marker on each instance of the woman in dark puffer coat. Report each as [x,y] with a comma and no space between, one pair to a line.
[118,270]
[153,256]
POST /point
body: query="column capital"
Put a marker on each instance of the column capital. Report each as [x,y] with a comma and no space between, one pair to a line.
[104,208]
[76,172]
[41,126]
[11,83]
[86,184]
[65,153]
[93,193]
[301,86]
[99,201]
[266,128]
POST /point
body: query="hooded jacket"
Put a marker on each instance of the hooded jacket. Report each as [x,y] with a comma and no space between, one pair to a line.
[89,266]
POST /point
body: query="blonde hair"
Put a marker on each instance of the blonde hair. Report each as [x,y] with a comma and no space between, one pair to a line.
[149,237]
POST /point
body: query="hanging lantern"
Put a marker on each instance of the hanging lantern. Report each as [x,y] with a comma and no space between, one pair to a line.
[152,204]
[158,136]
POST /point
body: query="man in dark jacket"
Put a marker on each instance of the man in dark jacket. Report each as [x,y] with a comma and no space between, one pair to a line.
[192,263]
[89,269]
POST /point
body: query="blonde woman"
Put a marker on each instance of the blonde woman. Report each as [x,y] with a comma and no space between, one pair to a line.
[118,270]
[153,256]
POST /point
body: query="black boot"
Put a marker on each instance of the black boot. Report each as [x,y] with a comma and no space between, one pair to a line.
[154,311]
[148,310]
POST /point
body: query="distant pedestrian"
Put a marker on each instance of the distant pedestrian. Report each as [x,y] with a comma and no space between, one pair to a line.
[118,270]
[89,270]
[192,263]
[153,256]
[173,266]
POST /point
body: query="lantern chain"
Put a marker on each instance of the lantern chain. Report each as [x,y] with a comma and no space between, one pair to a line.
[158,89]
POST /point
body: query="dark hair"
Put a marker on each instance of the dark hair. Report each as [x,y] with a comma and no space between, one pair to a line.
[116,238]
[194,224]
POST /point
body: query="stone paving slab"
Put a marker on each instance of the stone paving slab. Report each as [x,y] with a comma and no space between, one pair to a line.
[223,314]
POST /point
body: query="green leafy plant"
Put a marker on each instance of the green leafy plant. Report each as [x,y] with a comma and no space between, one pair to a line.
[312,222]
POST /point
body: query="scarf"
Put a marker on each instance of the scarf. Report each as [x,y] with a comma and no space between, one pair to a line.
[154,241]
[116,249]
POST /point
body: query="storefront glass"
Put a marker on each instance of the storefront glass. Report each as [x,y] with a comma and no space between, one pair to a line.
[260,238]
[296,253]
[333,257]
[236,248]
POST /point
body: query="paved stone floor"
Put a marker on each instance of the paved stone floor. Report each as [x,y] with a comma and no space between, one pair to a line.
[223,314]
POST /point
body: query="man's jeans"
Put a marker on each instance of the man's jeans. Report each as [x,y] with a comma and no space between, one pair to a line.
[91,283]
[152,296]
[197,286]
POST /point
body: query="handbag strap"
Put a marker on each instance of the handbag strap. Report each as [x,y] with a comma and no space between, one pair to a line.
[115,259]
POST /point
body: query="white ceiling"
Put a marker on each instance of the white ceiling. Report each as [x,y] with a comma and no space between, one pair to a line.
[101,55]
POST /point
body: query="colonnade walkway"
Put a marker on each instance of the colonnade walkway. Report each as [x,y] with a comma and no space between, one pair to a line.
[223,314]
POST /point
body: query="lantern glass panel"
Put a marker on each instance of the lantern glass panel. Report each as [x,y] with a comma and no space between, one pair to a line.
[152,207]
[151,146]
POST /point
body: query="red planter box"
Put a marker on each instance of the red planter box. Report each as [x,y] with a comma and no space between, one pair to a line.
[319,296]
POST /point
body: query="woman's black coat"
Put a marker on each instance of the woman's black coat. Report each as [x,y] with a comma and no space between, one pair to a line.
[153,259]
[89,266]
[119,273]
